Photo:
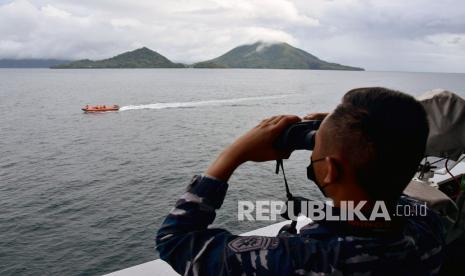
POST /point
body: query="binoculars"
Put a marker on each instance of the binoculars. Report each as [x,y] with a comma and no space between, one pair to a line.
[298,136]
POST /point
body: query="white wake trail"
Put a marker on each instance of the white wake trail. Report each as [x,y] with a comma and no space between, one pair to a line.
[197,103]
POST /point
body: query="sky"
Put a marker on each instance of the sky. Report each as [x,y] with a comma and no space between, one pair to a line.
[380,35]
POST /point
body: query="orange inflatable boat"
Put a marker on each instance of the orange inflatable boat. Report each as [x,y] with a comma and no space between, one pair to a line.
[100,108]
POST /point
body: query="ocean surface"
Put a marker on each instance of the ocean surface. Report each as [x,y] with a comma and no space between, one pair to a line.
[84,194]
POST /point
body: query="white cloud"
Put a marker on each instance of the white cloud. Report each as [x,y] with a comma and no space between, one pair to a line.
[50,10]
[125,23]
[283,11]
[185,30]
[450,40]
[414,35]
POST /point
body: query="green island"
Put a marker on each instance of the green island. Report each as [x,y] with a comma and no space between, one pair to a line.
[271,56]
[139,58]
[260,55]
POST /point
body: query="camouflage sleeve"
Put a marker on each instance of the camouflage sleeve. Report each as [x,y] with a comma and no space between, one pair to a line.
[191,248]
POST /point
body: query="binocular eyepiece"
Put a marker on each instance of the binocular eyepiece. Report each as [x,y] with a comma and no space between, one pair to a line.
[298,136]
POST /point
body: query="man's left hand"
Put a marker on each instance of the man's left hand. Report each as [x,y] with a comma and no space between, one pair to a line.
[255,145]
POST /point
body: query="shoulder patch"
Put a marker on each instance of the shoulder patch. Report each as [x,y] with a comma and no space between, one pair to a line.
[244,244]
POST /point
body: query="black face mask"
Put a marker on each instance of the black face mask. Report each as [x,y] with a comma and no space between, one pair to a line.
[311,175]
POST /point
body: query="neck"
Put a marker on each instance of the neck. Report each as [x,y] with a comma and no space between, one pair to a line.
[351,193]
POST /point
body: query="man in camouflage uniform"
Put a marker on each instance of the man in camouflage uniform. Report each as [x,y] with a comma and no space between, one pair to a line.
[372,130]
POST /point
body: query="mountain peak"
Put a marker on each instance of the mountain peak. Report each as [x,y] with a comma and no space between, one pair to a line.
[271,55]
[262,45]
[268,42]
[138,58]
[140,51]
[143,49]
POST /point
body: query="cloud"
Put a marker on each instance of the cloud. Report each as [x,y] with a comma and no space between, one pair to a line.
[276,11]
[184,31]
[125,23]
[51,11]
[449,40]
[414,35]
[386,35]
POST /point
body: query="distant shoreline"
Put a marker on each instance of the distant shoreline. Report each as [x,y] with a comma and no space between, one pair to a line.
[259,55]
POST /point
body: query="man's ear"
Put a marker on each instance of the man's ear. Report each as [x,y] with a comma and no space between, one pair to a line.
[333,170]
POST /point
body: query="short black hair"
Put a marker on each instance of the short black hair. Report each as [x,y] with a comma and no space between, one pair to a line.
[387,131]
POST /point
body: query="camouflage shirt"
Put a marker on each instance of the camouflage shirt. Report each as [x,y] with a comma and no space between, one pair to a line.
[324,248]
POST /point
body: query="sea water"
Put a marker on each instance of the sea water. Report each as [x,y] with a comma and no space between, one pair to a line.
[84,194]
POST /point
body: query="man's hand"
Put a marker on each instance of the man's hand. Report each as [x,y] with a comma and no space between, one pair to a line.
[255,145]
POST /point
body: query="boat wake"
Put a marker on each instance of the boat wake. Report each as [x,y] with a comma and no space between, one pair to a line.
[198,103]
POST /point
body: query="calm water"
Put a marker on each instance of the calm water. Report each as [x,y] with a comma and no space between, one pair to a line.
[83,194]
